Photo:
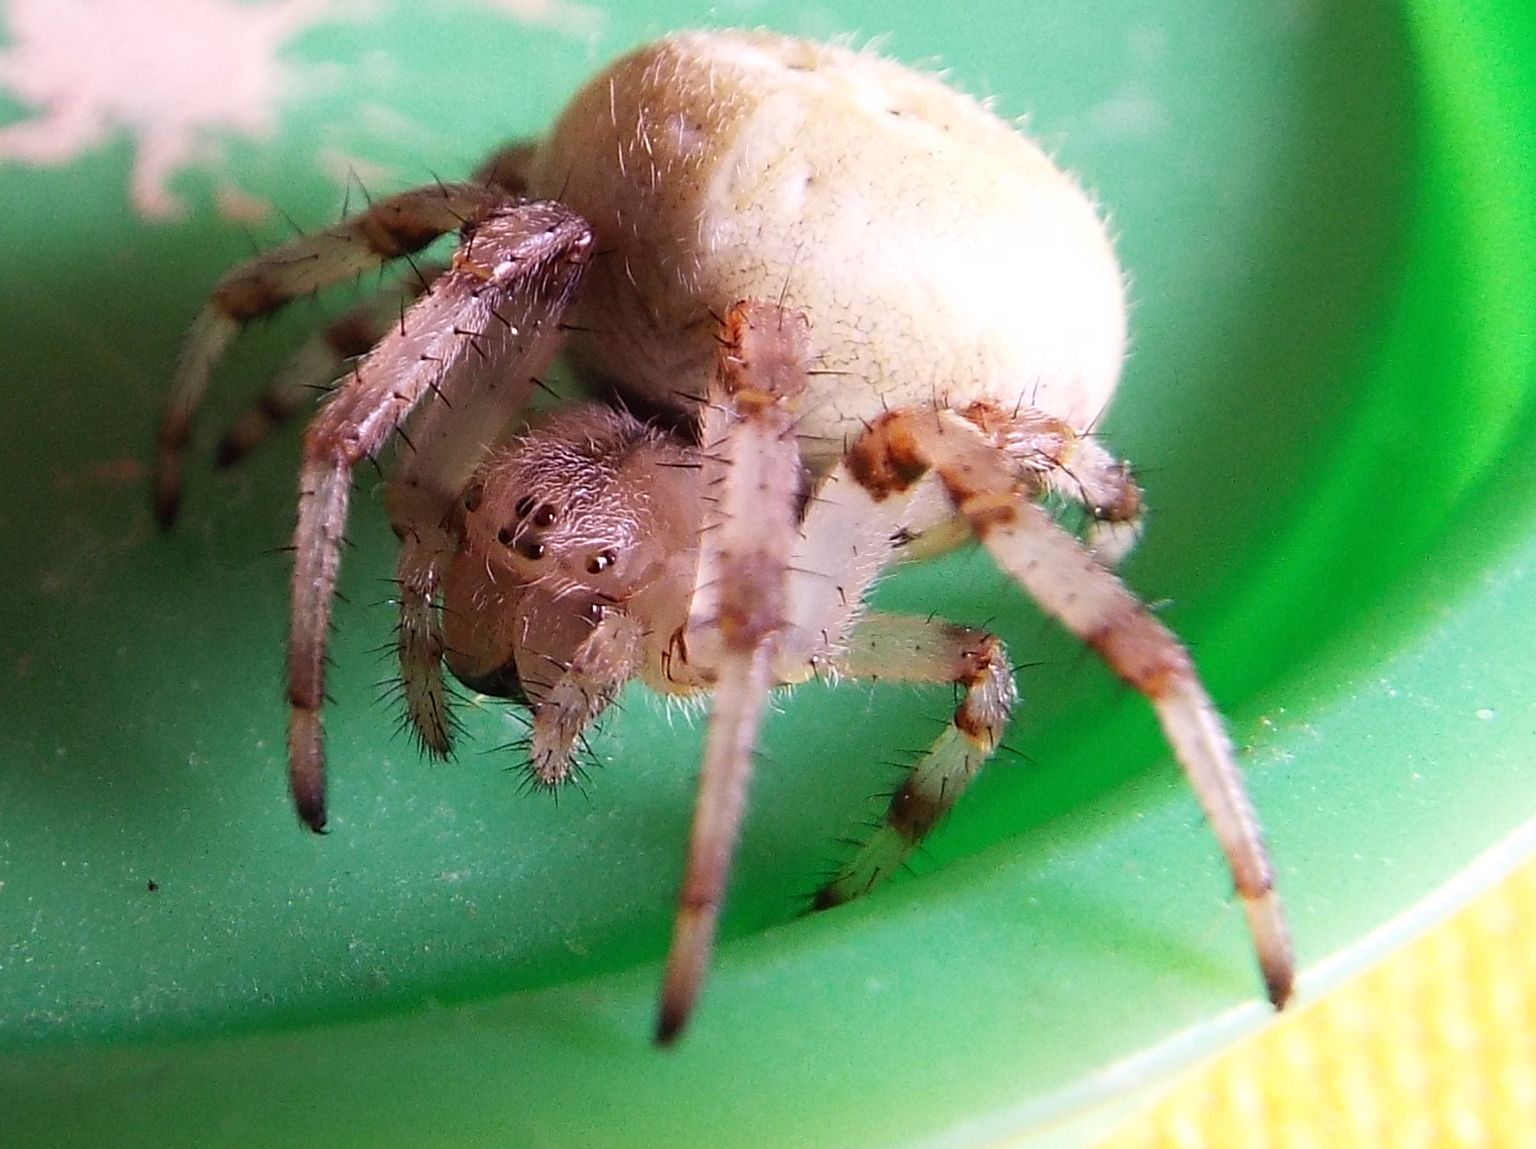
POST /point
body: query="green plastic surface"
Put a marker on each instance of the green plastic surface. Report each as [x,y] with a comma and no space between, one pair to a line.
[1327,213]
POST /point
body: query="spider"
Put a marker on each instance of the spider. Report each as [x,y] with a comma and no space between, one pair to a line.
[864,317]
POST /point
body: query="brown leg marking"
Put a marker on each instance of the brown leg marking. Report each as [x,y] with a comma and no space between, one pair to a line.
[390,228]
[1072,585]
[916,649]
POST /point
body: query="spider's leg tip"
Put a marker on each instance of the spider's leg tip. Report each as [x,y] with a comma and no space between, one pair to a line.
[670,1023]
[1272,941]
[167,505]
[1279,983]
[227,453]
[309,804]
[314,820]
[826,898]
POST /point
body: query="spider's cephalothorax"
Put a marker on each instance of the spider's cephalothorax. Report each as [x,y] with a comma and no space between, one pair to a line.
[946,323]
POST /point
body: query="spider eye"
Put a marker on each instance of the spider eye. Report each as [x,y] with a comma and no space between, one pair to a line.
[523,506]
[530,549]
[544,516]
[473,494]
[505,536]
[601,561]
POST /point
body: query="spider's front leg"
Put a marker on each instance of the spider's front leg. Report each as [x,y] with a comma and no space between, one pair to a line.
[1072,585]
[310,371]
[392,228]
[458,368]
[752,479]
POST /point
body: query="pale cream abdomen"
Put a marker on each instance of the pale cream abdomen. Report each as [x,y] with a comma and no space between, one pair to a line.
[935,249]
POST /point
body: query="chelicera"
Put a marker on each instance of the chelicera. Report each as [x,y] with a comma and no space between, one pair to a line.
[866,315]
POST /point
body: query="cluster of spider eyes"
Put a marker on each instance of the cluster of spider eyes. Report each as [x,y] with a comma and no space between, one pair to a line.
[533,517]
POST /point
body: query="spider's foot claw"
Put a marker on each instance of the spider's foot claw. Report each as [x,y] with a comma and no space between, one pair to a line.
[306,771]
[1281,984]
[167,501]
[1272,941]
[310,805]
[828,897]
[669,1025]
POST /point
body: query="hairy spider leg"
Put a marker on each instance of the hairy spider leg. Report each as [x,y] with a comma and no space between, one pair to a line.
[851,534]
[1075,588]
[320,361]
[317,363]
[473,344]
[1049,457]
[387,230]
[908,648]
[769,612]
[751,482]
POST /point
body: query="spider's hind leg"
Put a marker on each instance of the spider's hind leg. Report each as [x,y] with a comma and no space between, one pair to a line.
[1070,583]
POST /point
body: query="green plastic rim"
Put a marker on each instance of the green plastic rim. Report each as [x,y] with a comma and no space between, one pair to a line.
[1326,214]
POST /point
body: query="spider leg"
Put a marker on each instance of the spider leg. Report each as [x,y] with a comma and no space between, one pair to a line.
[1070,584]
[425,549]
[318,363]
[847,539]
[916,649]
[507,167]
[751,479]
[1049,457]
[1102,483]
[1078,469]
[389,229]
[472,342]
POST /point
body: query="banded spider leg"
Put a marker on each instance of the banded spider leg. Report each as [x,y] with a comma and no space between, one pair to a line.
[448,378]
[1073,585]
[779,598]
[391,229]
